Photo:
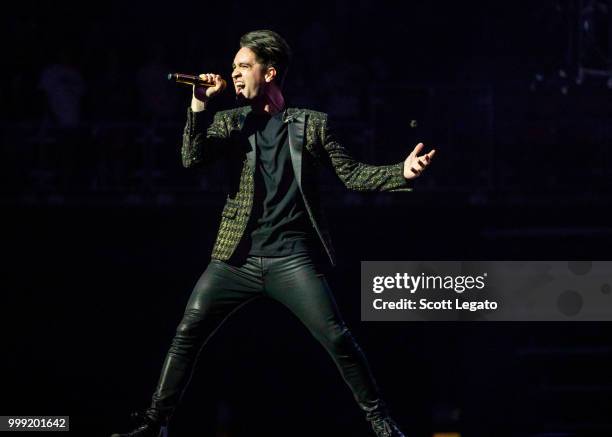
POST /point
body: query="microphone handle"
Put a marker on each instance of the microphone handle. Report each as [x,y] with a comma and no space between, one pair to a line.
[189,79]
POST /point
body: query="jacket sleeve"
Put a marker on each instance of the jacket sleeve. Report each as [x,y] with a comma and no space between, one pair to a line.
[358,176]
[204,138]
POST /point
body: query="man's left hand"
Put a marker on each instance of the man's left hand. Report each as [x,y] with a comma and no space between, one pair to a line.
[414,164]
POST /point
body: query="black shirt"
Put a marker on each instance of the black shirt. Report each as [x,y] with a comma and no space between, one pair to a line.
[282,226]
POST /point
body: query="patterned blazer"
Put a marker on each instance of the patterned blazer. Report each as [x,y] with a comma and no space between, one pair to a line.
[229,134]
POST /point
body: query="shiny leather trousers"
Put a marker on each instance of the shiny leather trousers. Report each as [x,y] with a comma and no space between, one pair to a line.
[296,282]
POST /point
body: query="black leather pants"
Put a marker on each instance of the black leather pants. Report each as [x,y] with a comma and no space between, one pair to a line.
[296,282]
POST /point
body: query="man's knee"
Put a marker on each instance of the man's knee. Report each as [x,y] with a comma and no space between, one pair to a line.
[340,339]
[189,332]
[190,322]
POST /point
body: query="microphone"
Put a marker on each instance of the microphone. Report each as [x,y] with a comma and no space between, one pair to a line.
[189,79]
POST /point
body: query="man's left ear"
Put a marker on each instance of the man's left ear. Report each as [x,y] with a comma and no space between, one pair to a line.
[270,74]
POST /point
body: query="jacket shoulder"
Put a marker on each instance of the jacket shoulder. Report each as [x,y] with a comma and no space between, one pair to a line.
[232,114]
[312,113]
[314,117]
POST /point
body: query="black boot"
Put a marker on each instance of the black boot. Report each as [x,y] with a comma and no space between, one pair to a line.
[385,427]
[378,416]
[147,426]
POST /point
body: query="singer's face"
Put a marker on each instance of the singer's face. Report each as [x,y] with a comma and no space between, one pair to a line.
[247,74]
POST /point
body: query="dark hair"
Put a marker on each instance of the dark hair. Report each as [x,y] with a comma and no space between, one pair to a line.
[270,49]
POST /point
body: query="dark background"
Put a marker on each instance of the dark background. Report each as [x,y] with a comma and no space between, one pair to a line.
[104,233]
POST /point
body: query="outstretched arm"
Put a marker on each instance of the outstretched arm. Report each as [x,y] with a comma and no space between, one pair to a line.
[359,176]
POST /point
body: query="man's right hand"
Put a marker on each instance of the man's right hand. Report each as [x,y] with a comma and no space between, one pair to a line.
[202,94]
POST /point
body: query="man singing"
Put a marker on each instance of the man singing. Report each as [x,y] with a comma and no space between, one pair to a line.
[273,234]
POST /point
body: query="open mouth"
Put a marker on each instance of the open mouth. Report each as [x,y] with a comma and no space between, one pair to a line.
[239,87]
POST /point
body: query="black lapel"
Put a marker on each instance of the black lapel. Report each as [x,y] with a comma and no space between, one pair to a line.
[251,154]
[297,123]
